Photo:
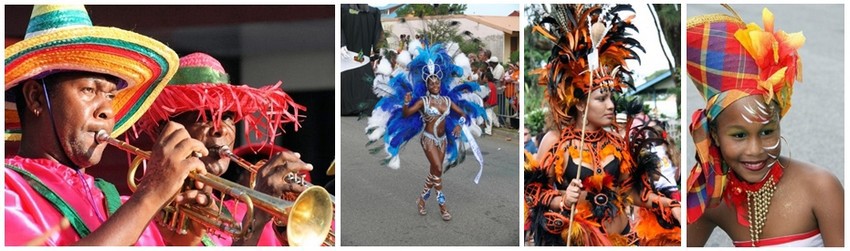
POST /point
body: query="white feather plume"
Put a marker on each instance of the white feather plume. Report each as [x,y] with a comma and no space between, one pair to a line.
[394,163]
[378,124]
[403,59]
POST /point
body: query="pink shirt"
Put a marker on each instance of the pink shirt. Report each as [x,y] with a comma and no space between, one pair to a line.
[29,215]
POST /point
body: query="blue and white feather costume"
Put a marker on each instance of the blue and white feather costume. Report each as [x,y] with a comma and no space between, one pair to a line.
[389,124]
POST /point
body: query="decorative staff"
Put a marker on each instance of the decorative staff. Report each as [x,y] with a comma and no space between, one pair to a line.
[597,31]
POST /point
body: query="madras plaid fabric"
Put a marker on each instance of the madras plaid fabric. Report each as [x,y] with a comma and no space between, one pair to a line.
[728,60]
[707,180]
[723,72]
[717,61]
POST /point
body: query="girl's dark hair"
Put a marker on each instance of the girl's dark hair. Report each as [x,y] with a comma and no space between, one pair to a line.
[581,98]
[488,76]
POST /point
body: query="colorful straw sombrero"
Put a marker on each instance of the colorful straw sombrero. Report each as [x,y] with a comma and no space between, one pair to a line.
[201,84]
[62,38]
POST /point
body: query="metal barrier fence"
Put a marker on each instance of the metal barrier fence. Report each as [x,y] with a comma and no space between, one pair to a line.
[507,110]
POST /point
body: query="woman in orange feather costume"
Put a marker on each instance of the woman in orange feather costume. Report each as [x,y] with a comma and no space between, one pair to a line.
[586,66]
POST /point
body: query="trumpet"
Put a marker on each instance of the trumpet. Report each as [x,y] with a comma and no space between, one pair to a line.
[293,178]
[308,218]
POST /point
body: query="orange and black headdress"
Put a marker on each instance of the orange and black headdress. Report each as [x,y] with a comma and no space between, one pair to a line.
[588,38]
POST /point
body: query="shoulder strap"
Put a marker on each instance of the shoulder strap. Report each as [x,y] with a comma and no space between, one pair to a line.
[113,200]
[207,241]
[63,207]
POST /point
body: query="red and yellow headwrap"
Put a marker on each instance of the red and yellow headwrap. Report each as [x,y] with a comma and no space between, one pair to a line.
[568,26]
[728,60]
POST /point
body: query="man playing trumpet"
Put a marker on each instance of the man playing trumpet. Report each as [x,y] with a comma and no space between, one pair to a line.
[69,80]
[201,98]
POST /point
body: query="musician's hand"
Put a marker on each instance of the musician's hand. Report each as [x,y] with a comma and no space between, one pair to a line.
[170,163]
[271,178]
[199,195]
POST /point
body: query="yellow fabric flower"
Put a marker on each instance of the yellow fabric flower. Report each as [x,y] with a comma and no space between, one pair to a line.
[775,53]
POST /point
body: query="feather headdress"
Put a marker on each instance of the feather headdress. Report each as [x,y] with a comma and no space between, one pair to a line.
[584,35]
[388,123]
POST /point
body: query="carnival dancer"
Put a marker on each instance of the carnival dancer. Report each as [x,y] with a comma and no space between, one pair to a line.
[582,181]
[740,182]
[201,98]
[654,175]
[69,80]
[424,101]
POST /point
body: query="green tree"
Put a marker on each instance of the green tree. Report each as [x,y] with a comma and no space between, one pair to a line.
[430,9]
[536,51]
[669,18]
[441,30]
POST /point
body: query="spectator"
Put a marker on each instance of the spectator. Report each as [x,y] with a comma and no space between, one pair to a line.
[530,145]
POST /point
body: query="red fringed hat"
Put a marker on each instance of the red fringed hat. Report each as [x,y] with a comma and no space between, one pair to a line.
[201,84]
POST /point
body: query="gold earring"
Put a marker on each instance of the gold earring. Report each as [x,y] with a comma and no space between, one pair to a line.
[785,142]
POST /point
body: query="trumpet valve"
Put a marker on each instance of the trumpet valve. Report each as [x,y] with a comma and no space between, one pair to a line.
[298,179]
[181,225]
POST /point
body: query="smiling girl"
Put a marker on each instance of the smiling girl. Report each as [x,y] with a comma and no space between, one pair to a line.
[740,182]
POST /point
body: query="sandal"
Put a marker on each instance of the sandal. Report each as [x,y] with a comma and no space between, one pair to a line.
[421,204]
[445,213]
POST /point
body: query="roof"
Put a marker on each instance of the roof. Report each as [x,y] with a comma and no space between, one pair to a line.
[506,24]
[659,79]
[390,8]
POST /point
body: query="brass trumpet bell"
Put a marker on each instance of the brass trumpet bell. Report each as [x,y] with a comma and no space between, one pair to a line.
[308,218]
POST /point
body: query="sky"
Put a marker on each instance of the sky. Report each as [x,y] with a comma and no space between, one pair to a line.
[654,58]
[484,9]
[491,9]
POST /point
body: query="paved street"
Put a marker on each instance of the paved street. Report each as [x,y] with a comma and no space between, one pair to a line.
[814,127]
[378,204]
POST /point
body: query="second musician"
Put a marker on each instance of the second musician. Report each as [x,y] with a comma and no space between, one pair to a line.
[201,98]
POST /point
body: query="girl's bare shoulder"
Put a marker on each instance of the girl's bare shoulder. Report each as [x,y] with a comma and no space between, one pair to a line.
[810,175]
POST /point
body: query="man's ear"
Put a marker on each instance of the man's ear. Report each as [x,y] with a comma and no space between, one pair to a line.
[33,94]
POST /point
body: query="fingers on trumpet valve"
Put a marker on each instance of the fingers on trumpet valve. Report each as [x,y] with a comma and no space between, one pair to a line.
[297,179]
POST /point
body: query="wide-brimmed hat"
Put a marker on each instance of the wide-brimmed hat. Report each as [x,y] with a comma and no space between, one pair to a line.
[201,84]
[62,38]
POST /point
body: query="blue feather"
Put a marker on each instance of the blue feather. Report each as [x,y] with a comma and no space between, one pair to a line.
[400,129]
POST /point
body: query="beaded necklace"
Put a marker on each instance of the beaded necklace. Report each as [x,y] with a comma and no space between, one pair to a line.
[752,201]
